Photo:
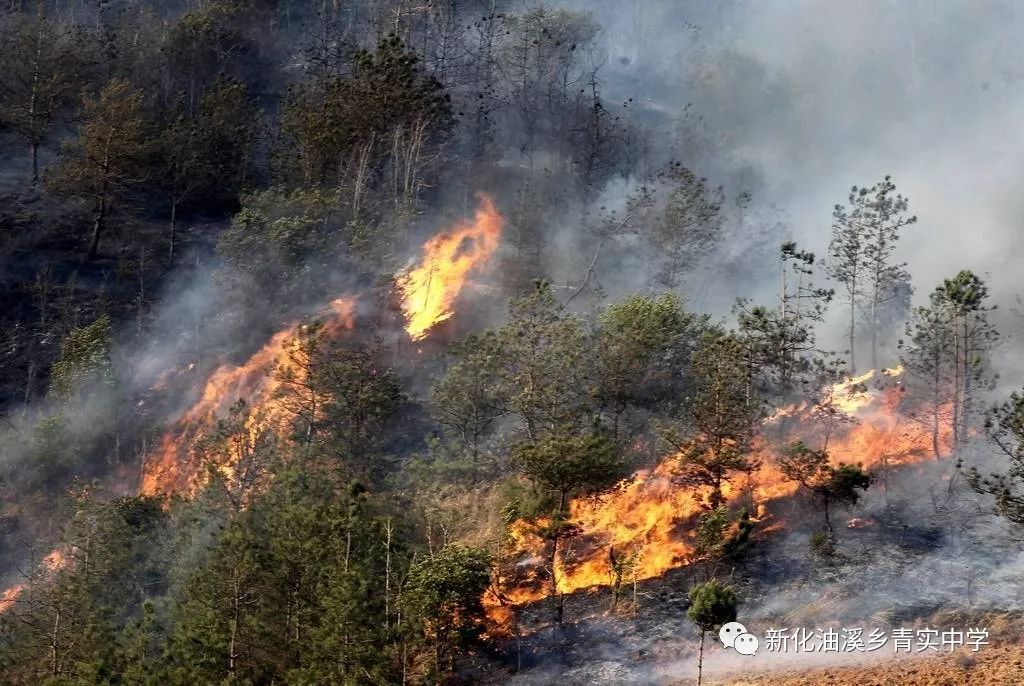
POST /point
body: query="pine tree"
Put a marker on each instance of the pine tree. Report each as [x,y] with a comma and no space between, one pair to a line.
[782,351]
[565,465]
[864,238]
[946,350]
[712,604]
[719,420]
[1005,429]
[830,484]
[107,159]
[442,597]
[44,67]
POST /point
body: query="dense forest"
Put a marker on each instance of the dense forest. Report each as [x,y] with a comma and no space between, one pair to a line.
[471,341]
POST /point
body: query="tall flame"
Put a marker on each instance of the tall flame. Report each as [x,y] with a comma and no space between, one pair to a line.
[429,293]
[175,467]
[429,290]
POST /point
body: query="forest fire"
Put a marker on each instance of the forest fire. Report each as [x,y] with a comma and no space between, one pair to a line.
[645,526]
[53,562]
[509,343]
[429,293]
[175,467]
[429,290]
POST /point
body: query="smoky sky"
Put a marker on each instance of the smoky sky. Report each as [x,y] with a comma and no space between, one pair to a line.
[809,98]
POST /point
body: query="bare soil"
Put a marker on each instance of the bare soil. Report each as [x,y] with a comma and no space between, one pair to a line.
[990,666]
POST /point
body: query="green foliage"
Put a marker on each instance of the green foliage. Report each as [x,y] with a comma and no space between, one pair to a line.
[831,484]
[341,396]
[711,535]
[1004,426]
[340,129]
[864,238]
[53,452]
[524,500]
[540,50]
[689,229]
[643,350]
[362,395]
[280,228]
[443,597]
[274,236]
[470,398]
[822,545]
[84,360]
[315,146]
[721,538]
[738,543]
[721,417]
[206,158]
[966,292]
[712,604]
[65,629]
[568,465]
[234,441]
[947,354]
[293,586]
[782,349]
[537,368]
[846,480]
[107,159]
[544,365]
[924,353]
[38,87]
[206,44]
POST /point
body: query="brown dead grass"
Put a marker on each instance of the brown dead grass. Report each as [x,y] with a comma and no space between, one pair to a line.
[990,666]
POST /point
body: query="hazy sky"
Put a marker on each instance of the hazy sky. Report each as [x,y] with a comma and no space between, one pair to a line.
[820,95]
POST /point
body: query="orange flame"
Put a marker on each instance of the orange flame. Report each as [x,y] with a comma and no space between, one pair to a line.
[52,563]
[429,293]
[430,289]
[175,467]
[648,520]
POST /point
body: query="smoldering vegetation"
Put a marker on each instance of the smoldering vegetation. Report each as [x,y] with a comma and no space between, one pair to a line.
[187,187]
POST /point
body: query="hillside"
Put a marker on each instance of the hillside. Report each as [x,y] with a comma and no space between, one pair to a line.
[508,341]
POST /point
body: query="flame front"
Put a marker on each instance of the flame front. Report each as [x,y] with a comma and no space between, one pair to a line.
[429,290]
[175,467]
[649,519]
[429,293]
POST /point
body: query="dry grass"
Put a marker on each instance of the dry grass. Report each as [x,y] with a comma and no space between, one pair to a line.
[990,666]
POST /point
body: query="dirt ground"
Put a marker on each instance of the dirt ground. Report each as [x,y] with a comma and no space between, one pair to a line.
[990,666]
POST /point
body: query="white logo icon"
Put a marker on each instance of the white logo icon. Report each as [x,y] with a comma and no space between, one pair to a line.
[728,633]
[746,644]
[735,635]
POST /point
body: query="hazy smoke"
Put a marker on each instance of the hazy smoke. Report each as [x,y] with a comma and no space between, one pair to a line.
[798,102]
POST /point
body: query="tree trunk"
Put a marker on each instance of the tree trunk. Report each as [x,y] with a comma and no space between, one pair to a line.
[97,228]
[174,230]
[34,152]
[54,664]
[559,601]
[700,659]
[965,404]
[874,332]
[957,406]
[853,335]
[387,574]
[234,628]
